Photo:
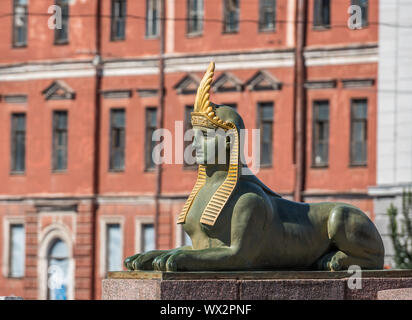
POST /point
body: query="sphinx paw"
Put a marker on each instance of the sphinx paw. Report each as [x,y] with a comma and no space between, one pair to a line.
[175,261]
[171,265]
[128,262]
[144,261]
[159,263]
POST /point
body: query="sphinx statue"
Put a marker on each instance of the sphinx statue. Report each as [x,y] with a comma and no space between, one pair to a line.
[235,222]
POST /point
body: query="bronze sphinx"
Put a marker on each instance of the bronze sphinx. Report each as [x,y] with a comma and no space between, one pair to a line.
[235,222]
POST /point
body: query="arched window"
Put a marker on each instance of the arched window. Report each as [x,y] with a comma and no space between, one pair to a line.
[58,270]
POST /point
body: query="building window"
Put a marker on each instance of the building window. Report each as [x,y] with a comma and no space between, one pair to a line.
[152,18]
[58,270]
[231,16]
[18,142]
[148,237]
[182,238]
[195,16]
[59,140]
[151,126]
[145,237]
[17,250]
[113,247]
[265,124]
[321,14]
[359,135]
[118,23]
[267,15]
[117,139]
[187,145]
[186,241]
[364,5]
[320,154]
[61,36]
[20,19]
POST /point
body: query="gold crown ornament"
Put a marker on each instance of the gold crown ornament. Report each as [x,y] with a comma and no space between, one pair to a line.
[204,115]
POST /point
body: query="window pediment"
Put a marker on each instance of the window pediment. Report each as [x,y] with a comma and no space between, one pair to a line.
[263,80]
[59,90]
[188,85]
[227,82]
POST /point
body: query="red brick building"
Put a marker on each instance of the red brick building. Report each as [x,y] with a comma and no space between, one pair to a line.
[78,103]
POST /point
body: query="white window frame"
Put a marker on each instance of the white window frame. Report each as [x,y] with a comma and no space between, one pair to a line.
[180,235]
[23,14]
[64,21]
[47,239]
[7,223]
[139,222]
[114,18]
[149,19]
[192,13]
[104,221]
[262,11]
[226,26]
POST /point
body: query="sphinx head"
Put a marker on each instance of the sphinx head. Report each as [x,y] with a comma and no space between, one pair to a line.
[213,144]
[216,127]
[217,131]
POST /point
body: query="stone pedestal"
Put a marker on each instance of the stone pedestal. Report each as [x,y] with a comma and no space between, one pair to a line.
[256,285]
[395,294]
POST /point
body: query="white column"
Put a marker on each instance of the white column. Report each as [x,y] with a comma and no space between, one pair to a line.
[170,26]
[290,24]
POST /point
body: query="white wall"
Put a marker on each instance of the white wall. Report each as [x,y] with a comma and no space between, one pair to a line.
[394,149]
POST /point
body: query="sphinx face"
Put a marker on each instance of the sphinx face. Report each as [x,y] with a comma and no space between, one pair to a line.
[210,146]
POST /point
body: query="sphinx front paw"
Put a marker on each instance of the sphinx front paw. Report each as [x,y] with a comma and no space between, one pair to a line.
[141,261]
[176,262]
[128,262]
[159,263]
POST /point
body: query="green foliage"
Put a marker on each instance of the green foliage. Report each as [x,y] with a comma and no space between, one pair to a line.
[401,235]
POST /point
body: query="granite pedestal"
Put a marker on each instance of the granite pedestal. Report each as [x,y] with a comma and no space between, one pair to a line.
[256,285]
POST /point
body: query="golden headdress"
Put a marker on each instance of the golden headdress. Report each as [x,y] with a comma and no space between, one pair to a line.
[205,115]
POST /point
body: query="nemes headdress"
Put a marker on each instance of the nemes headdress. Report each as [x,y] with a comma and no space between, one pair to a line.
[204,115]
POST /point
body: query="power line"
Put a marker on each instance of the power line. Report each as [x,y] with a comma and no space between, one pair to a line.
[342,24]
[287,84]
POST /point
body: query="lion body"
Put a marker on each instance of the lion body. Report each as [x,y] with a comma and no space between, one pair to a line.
[290,234]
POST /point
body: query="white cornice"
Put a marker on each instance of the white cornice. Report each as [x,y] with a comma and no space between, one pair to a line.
[174,63]
[47,70]
[389,189]
[132,67]
[231,61]
[354,54]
